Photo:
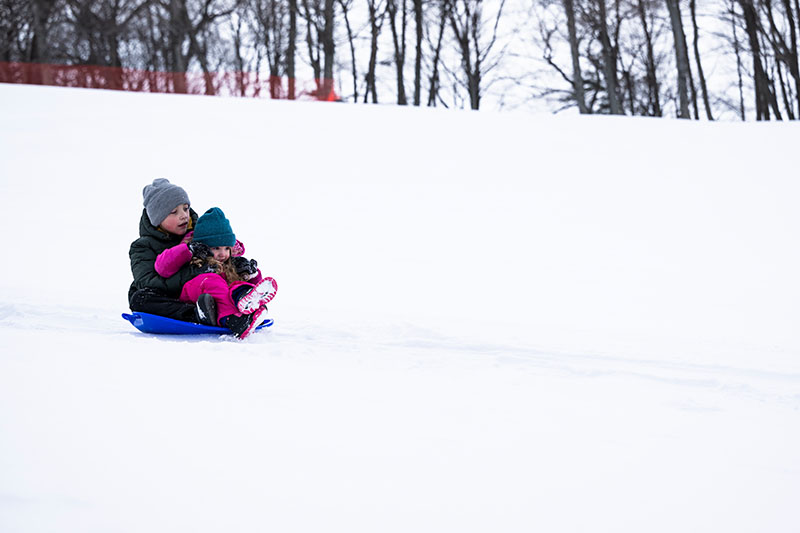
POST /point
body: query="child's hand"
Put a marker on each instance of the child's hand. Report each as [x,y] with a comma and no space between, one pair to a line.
[199,250]
[246,268]
[238,249]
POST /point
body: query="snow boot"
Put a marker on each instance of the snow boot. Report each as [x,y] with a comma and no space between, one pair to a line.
[242,326]
[206,310]
[257,297]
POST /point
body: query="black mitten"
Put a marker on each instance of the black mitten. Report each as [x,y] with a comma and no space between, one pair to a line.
[246,268]
[199,250]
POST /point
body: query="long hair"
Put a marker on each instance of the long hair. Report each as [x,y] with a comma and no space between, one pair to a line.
[225,268]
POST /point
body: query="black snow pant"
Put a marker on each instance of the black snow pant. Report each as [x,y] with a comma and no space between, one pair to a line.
[156,302]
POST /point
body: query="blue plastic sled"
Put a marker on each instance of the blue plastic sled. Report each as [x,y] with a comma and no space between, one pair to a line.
[147,323]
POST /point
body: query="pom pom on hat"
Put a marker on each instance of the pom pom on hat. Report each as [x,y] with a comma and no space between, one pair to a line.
[160,198]
[213,229]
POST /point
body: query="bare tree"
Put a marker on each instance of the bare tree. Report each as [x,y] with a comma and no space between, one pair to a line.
[399,39]
[469,29]
[436,49]
[643,10]
[681,57]
[782,36]
[237,26]
[577,77]
[188,31]
[610,55]
[319,16]
[270,27]
[377,12]
[41,11]
[14,15]
[761,82]
[737,47]
[291,49]
[419,26]
[346,5]
[329,48]
[700,73]
[312,13]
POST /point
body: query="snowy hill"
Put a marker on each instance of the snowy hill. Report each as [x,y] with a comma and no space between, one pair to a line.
[485,322]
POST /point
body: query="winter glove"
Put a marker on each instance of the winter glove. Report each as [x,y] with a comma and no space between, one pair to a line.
[199,250]
[246,268]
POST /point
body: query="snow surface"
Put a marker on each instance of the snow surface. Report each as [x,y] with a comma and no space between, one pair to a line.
[485,322]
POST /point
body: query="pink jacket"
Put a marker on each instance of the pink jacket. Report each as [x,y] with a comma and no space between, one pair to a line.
[172,259]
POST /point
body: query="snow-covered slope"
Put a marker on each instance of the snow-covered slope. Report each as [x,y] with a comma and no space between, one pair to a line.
[485,322]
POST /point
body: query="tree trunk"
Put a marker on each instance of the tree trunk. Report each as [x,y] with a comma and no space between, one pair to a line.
[630,89]
[703,86]
[202,57]
[782,54]
[577,78]
[177,32]
[41,10]
[352,49]
[399,39]
[462,35]
[786,103]
[328,47]
[375,23]
[474,87]
[651,76]
[738,51]
[759,75]
[794,68]
[433,90]
[418,21]
[609,61]
[290,51]
[39,47]
[681,57]
[312,44]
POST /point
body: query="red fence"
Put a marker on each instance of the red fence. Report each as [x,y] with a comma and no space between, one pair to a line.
[244,84]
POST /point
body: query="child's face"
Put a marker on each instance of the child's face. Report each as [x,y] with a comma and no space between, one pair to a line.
[177,222]
[221,253]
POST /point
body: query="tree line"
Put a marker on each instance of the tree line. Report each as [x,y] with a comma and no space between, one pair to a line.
[625,57]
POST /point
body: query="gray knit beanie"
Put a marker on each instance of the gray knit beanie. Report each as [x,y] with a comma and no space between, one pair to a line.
[160,198]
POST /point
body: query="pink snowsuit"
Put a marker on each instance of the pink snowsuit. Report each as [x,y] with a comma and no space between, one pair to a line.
[172,259]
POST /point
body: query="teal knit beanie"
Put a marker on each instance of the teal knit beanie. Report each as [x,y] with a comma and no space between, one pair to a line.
[213,229]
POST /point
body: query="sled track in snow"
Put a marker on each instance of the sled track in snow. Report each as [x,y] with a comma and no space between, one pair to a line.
[417,348]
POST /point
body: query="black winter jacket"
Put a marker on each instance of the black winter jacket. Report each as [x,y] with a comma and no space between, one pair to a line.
[144,250]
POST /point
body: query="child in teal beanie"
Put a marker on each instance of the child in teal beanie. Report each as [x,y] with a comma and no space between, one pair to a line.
[236,284]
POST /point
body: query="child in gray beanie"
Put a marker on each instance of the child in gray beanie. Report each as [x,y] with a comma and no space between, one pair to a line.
[166,219]
[160,198]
